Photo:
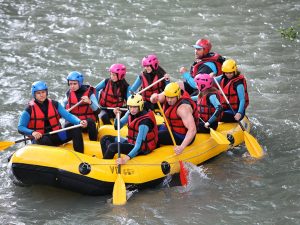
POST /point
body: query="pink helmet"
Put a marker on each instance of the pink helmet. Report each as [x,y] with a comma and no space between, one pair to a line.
[205,44]
[204,81]
[150,60]
[118,69]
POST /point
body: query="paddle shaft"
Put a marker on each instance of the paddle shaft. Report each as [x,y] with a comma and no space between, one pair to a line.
[119,148]
[226,99]
[112,108]
[166,121]
[77,104]
[146,88]
[49,133]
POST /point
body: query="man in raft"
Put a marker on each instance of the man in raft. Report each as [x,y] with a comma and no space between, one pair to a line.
[205,62]
[181,114]
[42,116]
[88,109]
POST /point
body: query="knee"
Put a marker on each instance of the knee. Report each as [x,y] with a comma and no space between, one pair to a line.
[106,141]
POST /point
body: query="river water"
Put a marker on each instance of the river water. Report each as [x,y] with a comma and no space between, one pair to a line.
[45,40]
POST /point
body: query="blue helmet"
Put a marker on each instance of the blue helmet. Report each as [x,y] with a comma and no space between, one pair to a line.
[74,75]
[38,86]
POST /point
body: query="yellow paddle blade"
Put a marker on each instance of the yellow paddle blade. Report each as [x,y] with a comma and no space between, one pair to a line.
[119,192]
[5,144]
[253,146]
[218,137]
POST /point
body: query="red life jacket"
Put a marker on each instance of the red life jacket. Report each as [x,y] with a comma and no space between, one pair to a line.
[83,111]
[174,120]
[205,108]
[37,117]
[214,57]
[152,136]
[157,88]
[231,93]
[108,98]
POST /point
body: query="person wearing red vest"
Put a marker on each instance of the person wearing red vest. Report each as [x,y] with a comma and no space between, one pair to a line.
[112,92]
[88,109]
[205,62]
[142,132]
[42,116]
[181,113]
[234,86]
[208,103]
[151,73]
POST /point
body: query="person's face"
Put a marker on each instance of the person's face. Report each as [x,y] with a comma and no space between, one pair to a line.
[171,100]
[148,69]
[40,96]
[134,110]
[199,53]
[229,75]
[74,85]
[114,77]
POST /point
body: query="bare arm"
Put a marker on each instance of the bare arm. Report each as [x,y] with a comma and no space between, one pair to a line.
[185,112]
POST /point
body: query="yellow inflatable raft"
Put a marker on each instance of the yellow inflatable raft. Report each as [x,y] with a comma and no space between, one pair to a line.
[88,173]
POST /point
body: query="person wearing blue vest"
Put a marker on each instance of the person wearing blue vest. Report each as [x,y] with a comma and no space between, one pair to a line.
[42,116]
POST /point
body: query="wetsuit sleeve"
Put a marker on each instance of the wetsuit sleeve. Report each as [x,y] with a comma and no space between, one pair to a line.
[217,105]
[211,68]
[137,83]
[143,131]
[23,123]
[241,95]
[189,79]
[94,104]
[194,98]
[128,92]
[99,87]
[123,121]
[66,115]
[64,102]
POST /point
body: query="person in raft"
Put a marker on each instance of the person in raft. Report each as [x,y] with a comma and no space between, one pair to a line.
[88,109]
[205,62]
[208,103]
[152,72]
[234,86]
[181,114]
[42,116]
[114,91]
[142,132]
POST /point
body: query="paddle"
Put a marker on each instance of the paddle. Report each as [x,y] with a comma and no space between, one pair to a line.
[112,108]
[252,144]
[119,191]
[183,172]
[146,88]
[217,136]
[77,104]
[6,144]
